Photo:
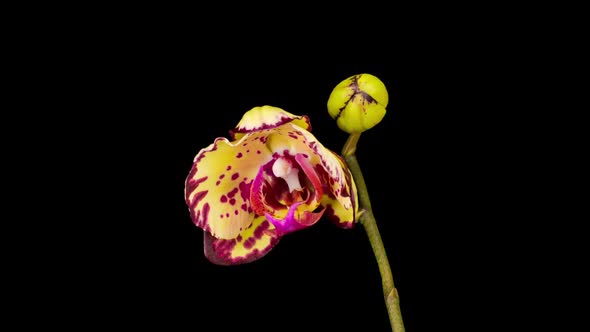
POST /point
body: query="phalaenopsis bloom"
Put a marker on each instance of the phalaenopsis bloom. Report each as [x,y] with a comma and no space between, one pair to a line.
[272,178]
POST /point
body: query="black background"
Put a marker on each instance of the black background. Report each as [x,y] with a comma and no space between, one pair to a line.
[149,93]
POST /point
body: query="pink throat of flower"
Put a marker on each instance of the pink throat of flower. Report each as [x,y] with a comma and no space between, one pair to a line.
[287,190]
[282,182]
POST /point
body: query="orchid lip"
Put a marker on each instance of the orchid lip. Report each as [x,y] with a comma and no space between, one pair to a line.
[284,182]
[292,223]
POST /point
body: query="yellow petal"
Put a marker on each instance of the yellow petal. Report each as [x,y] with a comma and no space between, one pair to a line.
[217,189]
[339,178]
[267,117]
[251,244]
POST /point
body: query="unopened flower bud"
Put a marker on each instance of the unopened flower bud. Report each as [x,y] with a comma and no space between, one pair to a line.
[358,103]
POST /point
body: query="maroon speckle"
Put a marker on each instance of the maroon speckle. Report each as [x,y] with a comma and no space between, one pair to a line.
[227,215]
[247,151]
[193,184]
[228,167]
[263,139]
[249,243]
[221,248]
[239,155]
[260,229]
[235,176]
[217,182]
[223,199]
[232,201]
[258,152]
[249,209]
[205,214]
[330,214]
[245,189]
[244,144]
[195,216]
[232,193]
[191,174]
[236,212]
[221,176]
[244,207]
[313,146]
[198,197]
[292,135]
[199,158]
[239,238]
[305,155]
[221,216]
[344,192]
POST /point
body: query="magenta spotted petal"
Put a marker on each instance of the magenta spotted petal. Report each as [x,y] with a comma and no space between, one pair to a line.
[256,241]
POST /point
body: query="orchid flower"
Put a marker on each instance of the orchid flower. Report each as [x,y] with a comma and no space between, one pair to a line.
[272,178]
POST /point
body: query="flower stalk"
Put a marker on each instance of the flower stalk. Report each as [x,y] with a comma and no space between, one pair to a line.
[367,219]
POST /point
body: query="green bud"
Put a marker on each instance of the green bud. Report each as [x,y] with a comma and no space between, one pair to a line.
[358,103]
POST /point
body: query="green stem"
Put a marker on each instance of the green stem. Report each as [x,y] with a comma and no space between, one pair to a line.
[367,219]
